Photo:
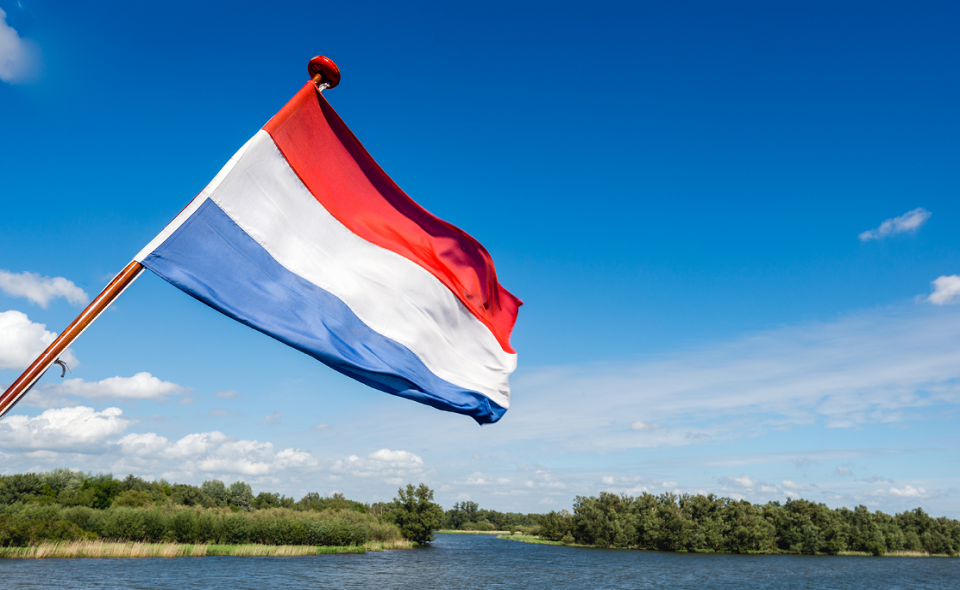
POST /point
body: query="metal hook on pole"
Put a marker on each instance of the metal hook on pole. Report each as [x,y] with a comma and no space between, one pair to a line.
[63,368]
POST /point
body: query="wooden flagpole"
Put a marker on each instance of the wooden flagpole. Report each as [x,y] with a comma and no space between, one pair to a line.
[25,381]
[325,74]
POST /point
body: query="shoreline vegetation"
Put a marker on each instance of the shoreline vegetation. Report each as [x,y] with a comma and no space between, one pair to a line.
[71,513]
[74,549]
[64,513]
[711,524]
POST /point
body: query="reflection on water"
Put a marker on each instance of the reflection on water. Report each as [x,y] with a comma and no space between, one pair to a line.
[478,561]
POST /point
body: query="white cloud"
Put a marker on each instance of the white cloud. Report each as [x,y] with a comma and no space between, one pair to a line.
[842,471]
[194,445]
[383,463]
[143,445]
[908,222]
[210,453]
[646,426]
[83,432]
[19,58]
[140,387]
[739,482]
[946,289]
[22,341]
[321,426]
[73,430]
[41,290]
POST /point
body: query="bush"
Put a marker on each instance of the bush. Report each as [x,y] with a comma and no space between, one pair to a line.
[236,529]
[184,526]
[124,523]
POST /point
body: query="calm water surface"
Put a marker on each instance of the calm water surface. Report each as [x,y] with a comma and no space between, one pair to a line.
[477,561]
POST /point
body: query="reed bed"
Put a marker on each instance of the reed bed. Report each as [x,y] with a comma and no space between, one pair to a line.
[377,546]
[530,539]
[72,549]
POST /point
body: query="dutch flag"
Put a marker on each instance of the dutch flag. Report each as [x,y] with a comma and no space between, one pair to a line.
[303,237]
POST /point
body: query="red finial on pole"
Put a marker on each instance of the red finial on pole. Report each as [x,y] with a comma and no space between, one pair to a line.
[323,72]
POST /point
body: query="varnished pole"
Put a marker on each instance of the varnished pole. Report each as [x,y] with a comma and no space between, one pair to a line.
[25,381]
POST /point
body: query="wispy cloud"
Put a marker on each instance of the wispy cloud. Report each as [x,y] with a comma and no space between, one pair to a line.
[272,419]
[22,341]
[906,491]
[946,289]
[792,486]
[41,290]
[20,60]
[874,367]
[908,222]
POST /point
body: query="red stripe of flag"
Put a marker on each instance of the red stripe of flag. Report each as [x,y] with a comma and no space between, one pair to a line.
[339,172]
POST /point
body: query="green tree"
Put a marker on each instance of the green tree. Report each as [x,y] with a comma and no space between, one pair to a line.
[187,495]
[266,500]
[216,491]
[17,488]
[416,514]
[241,495]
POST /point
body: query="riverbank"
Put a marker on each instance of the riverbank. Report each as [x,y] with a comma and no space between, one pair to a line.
[458,532]
[541,541]
[134,549]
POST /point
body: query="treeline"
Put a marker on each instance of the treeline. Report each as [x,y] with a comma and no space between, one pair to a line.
[100,491]
[468,516]
[669,522]
[63,505]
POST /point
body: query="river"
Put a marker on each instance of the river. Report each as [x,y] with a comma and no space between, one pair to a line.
[479,561]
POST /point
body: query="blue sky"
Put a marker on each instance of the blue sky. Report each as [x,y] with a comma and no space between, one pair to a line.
[690,197]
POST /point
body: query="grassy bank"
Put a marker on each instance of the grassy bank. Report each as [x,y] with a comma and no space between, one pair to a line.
[458,532]
[530,539]
[134,549]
